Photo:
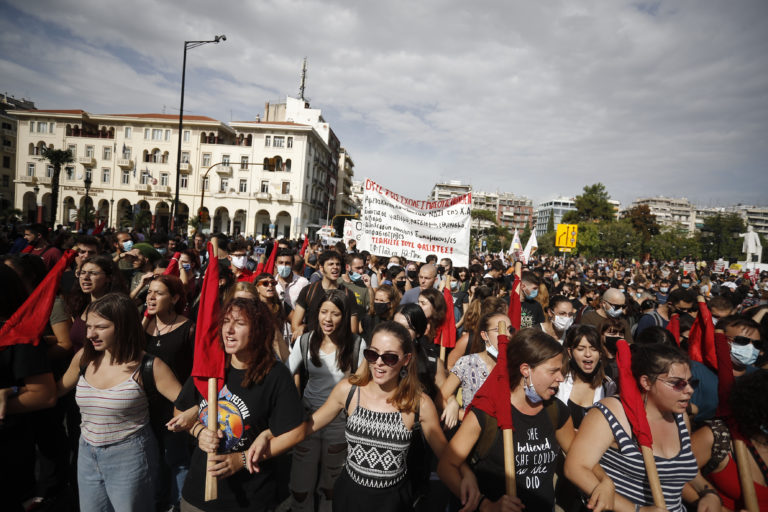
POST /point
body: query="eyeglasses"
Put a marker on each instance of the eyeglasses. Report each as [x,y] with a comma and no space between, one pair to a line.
[617,306]
[510,330]
[87,274]
[387,358]
[686,310]
[681,384]
[266,282]
[743,340]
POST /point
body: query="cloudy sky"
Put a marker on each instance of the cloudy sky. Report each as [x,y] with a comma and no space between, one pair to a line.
[533,97]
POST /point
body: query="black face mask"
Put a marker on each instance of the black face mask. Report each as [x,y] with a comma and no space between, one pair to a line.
[381,308]
[412,274]
[610,343]
[400,285]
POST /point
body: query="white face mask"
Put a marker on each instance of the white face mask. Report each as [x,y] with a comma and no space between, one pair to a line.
[492,351]
[562,323]
[238,261]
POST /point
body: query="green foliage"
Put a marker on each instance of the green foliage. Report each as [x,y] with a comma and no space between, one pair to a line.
[591,205]
[670,243]
[488,215]
[546,243]
[588,242]
[719,236]
[142,221]
[551,222]
[57,158]
[525,235]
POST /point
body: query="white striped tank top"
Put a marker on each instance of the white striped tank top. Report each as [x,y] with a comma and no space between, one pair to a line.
[111,415]
[627,470]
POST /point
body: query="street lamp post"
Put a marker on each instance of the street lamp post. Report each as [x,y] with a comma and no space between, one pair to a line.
[187,45]
[87,197]
[38,205]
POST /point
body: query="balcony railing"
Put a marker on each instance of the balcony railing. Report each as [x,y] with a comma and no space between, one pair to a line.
[263,196]
[87,161]
[142,187]
[125,163]
[287,198]
[224,170]
[185,167]
[162,189]
[45,180]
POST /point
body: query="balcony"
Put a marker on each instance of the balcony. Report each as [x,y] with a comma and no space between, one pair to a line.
[284,198]
[9,149]
[162,190]
[224,170]
[45,180]
[125,163]
[263,196]
[142,187]
[185,167]
[10,133]
[87,161]
[26,179]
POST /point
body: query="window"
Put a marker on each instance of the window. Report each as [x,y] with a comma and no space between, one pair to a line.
[6,180]
[7,162]
[289,143]
[31,127]
[187,135]
[125,179]
[206,159]
[279,142]
[72,149]
[42,127]
[205,183]
[89,151]
[144,177]
[167,135]
[88,173]
[127,132]
[7,126]
[164,179]
[243,162]
[286,189]
[183,181]
[69,172]
[224,160]
[51,127]
[185,157]
[224,184]
[243,185]
[105,175]
[49,171]
[146,133]
[267,141]
[265,187]
[126,152]
[157,134]
[30,169]
[107,153]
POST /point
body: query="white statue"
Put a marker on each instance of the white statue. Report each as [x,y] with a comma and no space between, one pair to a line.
[751,245]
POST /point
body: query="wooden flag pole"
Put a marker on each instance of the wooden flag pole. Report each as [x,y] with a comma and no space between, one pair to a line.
[507,438]
[653,477]
[447,283]
[745,475]
[211,484]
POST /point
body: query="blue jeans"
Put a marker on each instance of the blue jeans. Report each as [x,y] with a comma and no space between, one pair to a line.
[119,477]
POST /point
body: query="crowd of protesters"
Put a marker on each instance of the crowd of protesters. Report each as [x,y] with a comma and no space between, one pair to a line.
[350,379]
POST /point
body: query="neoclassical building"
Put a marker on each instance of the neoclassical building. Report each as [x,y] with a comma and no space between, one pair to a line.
[276,175]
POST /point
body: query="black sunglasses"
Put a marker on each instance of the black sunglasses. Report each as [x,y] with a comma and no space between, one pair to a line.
[745,340]
[681,384]
[387,358]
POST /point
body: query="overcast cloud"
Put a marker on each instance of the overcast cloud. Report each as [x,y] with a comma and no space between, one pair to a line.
[536,98]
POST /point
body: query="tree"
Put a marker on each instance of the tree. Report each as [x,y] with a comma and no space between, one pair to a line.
[57,158]
[486,215]
[618,240]
[643,222]
[670,244]
[591,206]
[589,243]
[526,234]
[721,232]
[551,222]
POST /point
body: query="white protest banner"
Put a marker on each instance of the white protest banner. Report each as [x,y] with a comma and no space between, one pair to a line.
[397,225]
[353,230]
[688,267]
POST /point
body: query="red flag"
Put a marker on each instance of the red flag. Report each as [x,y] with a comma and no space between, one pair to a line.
[446,332]
[173,266]
[28,322]
[304,246]
[269,266]
[98,229]
[674,327]
[515,310]
[209,354]
[630,396]
[701,340]
[493,397]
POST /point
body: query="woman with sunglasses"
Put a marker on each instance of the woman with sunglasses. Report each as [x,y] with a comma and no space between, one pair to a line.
[170,336]
[663,376]
[325,356]
[470,371]
[382,404]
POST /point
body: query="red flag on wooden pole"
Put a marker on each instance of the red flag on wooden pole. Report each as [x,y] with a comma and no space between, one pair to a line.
[673,326]
[446,332]
[304,246]
[28,322]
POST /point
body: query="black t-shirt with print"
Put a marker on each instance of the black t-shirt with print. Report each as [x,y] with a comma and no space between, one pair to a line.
[531,314]
[536,456]
[244,413]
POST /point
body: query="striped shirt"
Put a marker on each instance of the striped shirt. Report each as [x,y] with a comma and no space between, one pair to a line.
[111,415]
[626,468]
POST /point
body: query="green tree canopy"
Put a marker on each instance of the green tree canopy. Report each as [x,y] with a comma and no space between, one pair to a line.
[57,158]
[721,232]
[592,205]
[643,222]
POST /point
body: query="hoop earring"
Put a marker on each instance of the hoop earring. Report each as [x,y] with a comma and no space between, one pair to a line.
[403,372]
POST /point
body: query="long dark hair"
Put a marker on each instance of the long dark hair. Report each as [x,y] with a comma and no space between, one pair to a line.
[654,359]
[572,339]
[259,352]
[76,301]
[530,346]
[342,337]
[129,335]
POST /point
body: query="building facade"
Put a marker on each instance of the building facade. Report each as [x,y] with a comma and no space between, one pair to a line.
[755,216]
[672,212]
[8,143]
[275,176]
[552,209]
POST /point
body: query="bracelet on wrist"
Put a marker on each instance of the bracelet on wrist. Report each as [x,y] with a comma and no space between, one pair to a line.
[242,454]
[202,427]
[710,490]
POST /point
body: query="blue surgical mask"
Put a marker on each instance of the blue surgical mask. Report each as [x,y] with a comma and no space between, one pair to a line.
[685,285]
[186,266]
[532,295]
[744,354]
[128,245]
[614,312]
[283,271]
[664,289]
[454,285]
[530,393]
[492,351]
[161,250]
[355,276]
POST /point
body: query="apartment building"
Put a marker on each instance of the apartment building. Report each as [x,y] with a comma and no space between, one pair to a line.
[8,134]
[552,209]
[672,212]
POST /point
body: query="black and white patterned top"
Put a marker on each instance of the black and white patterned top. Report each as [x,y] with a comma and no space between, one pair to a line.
[377,448]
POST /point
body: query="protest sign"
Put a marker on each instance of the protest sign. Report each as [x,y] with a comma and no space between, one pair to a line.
[353,230]
[397,225]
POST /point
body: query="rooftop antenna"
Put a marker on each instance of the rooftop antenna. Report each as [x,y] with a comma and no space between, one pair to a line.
[303,80]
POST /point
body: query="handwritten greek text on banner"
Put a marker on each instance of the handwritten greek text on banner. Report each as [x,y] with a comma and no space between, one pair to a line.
[397,225]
